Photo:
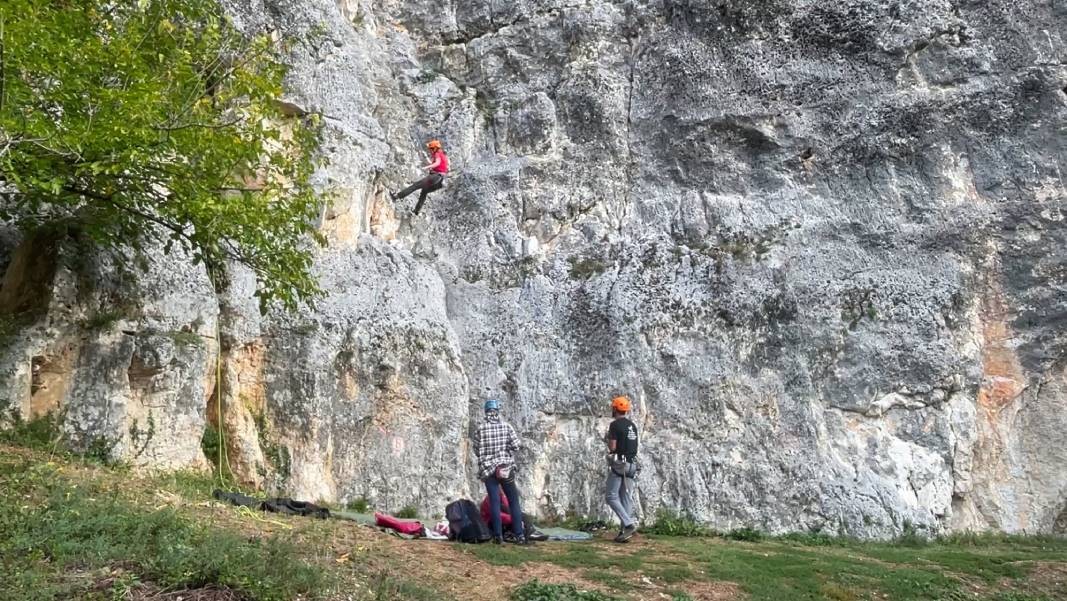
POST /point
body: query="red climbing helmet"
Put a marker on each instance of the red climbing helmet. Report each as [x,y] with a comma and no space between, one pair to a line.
[434,145]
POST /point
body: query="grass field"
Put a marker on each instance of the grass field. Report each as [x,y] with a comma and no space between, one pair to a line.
[75,529]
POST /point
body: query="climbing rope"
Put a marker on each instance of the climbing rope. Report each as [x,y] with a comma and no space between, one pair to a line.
[246,512]
[223,459]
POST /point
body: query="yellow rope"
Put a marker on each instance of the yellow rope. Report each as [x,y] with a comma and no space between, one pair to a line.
[224,460]
[247,512]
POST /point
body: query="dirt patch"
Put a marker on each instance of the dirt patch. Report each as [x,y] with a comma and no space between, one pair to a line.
[438,564]
[118,583]
[208,593]
[444,567]
[1048,577]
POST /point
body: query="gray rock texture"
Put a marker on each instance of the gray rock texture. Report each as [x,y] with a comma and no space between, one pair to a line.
[123,358]
[820,244]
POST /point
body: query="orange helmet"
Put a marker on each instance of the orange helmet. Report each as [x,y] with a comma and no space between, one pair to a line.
[620,404]
[434,145]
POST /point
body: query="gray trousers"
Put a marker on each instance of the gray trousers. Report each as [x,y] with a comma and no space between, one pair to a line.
[619,495]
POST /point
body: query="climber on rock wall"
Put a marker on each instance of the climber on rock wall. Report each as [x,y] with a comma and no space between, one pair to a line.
[438,168]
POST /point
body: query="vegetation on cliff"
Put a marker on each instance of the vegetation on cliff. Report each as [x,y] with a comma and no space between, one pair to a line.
[157,121]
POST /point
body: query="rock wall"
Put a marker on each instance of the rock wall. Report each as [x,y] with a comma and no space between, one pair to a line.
[818,243]
[122,357]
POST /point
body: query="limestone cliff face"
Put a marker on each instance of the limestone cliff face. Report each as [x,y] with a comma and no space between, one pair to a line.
[820,244]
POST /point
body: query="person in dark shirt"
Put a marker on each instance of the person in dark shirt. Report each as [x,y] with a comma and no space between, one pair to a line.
[621,439]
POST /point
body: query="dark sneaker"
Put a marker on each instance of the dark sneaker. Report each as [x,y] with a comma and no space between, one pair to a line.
[626,533]
[497,540]
[392,196]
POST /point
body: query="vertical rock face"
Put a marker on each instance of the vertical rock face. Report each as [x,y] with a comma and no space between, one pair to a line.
[363,398]
[124,359]
[818,243]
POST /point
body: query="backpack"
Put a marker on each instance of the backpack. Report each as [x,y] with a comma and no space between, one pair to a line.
[465,524]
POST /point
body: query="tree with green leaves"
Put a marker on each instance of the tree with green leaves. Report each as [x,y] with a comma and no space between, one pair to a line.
[157,122]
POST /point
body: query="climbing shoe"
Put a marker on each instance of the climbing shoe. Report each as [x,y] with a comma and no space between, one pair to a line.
[509,537]
[626,533]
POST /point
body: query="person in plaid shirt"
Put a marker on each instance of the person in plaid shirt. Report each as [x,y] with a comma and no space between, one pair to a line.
[495,444]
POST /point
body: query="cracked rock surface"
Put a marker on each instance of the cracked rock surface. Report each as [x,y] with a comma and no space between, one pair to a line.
[820,244]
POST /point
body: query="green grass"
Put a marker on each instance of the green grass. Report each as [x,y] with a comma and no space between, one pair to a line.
[61,539]
[360,505]
[539,591]
[68,524]
[104,319]
[788,568]
[44,434]
[41,433]
[385,588]
[672,523]
[407,513]
[186,338]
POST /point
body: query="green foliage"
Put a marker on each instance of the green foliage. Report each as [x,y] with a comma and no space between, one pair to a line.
[672,523]
[360,505]
[407,513]
[186,338]
[540,591]
[814,539]
[52,545]
[209,444]
[385,588]
[911,537]
[104,319]
[745,534]
[583,268]
[44,433]
[100,450]
[276,455]
[156,119]
[140,435]
[39,433]
[857,305]
[193,485]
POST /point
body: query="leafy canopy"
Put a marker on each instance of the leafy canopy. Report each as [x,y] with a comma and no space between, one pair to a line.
[157,122]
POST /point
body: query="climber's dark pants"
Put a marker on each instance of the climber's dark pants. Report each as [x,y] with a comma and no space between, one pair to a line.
[430,183]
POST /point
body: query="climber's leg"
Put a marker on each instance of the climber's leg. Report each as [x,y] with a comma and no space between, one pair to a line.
[433,183]
[421,183]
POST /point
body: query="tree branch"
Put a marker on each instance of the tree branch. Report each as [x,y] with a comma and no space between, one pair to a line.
[109,198]
[197,125]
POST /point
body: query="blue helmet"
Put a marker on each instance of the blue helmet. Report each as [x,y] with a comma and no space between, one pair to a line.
[492,405]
